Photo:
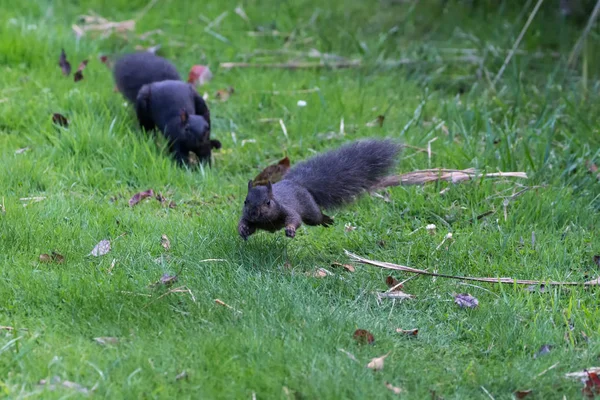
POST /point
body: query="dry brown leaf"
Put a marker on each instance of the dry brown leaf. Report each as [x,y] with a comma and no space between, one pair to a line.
[408,332]
[376,122]
[273,173]
[394,389]
[376,364]
[224,94]
[521,394]
[165,242]
[318,273]
[393,283]
[64,65]
[54,257]
[347,267]
[60,120]
[363,336]
[106,340]
[79,73]
[199,75]
[102,248]
[140,196]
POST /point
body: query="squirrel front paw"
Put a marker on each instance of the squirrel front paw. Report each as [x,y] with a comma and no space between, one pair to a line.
[244,231]
[290,231]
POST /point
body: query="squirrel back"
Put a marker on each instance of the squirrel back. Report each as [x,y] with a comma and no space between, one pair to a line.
[336,177]
[132,71]
[327,180]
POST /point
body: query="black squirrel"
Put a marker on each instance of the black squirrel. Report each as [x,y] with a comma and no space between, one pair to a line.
[327,181]
[163,100]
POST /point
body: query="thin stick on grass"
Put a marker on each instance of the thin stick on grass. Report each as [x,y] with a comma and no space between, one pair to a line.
[518,41]
[440,174]
[180,289]
[294,65]
[507,281]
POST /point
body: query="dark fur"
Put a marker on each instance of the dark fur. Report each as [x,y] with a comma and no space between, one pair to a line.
[326,181]
[165,102]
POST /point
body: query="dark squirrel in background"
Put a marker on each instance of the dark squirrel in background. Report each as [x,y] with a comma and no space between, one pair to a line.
[163,100]
[327,181]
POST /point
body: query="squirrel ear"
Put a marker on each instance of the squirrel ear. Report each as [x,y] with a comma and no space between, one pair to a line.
[270,189]
[249,184]
[184,116]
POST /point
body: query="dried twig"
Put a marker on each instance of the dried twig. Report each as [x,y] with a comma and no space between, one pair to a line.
[440,174]
[294,65]
[508,281]
[222,303]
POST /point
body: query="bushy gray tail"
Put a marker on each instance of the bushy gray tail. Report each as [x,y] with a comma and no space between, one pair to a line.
[336,177]
[132,71]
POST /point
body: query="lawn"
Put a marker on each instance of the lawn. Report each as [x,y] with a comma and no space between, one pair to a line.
[278,331]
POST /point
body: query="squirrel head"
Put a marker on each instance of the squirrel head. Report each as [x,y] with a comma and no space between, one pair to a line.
[260,205]
[195,134]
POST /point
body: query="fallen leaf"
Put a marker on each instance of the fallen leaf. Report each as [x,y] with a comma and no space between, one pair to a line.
[465,300]
[55,381]
[165,242]
[582,374]
[21,151]
[408,332]
[597,260]
[140,196]
[392,282]
[592,385]
[64,65]
[394,389]
[172,204]
[376,122]
[168,280]
[363,336]
[536,288]
[347,267]
[79,73]
[224,94]
[349,227]
[273,173]
[106,340]
[182,375]
[54,257]
[199,75]
[101,248]
[60,119]
[318,273]
[376,364]
[544,349]
[521,394]
[6,328]
[104,60]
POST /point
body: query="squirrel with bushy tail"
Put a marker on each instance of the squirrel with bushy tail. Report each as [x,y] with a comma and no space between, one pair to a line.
[326,181]
[163,100]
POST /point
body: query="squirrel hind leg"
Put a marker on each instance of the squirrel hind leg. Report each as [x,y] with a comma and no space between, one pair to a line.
[327,221]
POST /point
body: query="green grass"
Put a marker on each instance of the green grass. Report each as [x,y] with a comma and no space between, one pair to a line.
[540,118]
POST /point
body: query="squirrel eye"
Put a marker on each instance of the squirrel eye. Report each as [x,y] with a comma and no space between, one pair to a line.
[268,202]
